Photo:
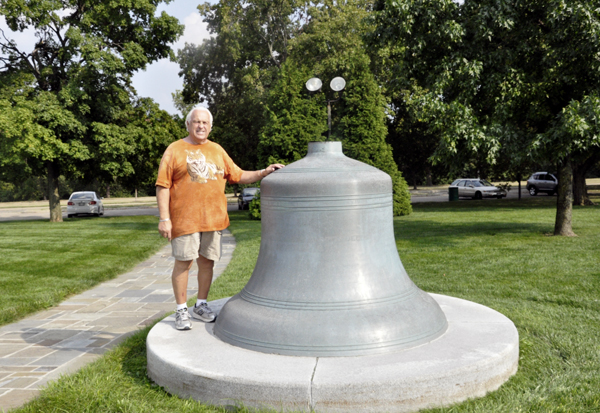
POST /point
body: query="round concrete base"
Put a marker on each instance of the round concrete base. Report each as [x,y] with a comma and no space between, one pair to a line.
[478,353]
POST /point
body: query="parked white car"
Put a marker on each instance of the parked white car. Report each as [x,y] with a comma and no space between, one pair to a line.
[85,202]
[477,189]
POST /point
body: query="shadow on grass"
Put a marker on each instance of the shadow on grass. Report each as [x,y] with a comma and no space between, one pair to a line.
[545,202]
[128,225]
[423,230]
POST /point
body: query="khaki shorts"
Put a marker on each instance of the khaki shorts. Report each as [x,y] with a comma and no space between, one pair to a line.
[191,246]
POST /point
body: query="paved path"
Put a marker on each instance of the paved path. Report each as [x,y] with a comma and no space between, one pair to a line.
[58,341]
[42,212]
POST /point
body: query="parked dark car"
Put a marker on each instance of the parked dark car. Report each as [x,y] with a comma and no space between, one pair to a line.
[542,182]
[477,189]
[246,196]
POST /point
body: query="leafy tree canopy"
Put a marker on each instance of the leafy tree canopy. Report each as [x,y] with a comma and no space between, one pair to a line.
[252,75]
[74,87]
[502,78]
[232,70]
[331,45]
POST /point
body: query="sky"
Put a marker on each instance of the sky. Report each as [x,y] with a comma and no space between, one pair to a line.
[160,78]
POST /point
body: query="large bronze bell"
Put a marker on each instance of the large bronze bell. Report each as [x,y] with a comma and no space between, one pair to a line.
[328,280]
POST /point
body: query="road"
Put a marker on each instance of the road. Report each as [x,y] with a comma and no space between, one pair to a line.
[30,213]
[42,212]
[442,195]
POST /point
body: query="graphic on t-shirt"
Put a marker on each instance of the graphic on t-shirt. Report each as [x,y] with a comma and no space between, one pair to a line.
[201,171]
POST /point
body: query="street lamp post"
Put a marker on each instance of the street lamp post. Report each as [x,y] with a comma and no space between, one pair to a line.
[337,84]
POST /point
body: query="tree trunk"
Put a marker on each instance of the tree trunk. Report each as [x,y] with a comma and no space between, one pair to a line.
[415,179]
[107,191]
[53,194]
[428,175]
[564,203]
[580,194]
[519,177]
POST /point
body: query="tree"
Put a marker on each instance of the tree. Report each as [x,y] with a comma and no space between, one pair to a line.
[233,70]
[153,130]
[580,170]
[413,143]
[501,78]
[14,123]
[77,92]
[331,45]
[295,117]
[247,34]
[578,130]
[183,107]
[252,76]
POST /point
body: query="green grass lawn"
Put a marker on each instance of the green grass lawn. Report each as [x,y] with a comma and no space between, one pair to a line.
[43,263]
[497,253]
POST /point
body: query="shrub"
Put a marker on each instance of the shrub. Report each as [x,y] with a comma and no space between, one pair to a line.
[254,208]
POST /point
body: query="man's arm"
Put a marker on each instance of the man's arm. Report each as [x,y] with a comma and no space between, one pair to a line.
[249,177]
[163,196]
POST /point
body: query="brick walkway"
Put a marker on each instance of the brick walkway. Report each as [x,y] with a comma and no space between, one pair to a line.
[59,341]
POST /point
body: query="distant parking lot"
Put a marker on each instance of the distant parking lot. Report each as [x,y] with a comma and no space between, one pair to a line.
[441,195]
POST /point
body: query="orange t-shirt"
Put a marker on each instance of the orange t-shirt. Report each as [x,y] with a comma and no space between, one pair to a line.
[195,176]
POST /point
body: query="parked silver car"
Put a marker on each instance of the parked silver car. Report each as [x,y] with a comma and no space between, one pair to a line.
[542,182]
[85,202]
[246,196]
[477,189]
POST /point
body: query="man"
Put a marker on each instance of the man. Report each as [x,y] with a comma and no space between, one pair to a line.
[190,191]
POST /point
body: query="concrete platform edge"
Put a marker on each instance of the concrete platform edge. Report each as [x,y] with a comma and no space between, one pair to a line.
[476,355]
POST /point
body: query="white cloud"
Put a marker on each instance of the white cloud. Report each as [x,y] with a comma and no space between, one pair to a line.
[195,31]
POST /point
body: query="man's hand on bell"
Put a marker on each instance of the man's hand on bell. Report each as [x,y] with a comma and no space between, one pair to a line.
[273,168]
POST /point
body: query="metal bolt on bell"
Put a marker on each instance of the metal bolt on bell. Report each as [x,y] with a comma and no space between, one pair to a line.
[328,280]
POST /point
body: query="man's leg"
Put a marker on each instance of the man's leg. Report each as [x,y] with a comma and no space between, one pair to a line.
[201,310]
[185,250]
[179,278]
[210,250]
[205,275]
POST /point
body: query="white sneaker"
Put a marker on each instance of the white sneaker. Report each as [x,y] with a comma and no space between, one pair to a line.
[182,320]
[204,313]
